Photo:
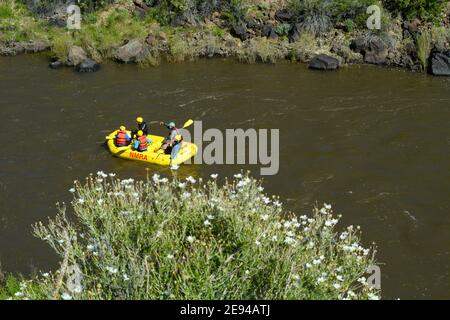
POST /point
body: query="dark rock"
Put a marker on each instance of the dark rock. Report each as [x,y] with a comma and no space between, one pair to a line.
[295,32]
[269,31]
[87,65]
[130,52]
[359,45]
[377,51]
[56,65]
[323,62]
[374,49]
[239,31]
[411,50]
[283,15]
[439,63]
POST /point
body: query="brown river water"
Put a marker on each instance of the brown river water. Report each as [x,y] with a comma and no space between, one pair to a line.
[374,142]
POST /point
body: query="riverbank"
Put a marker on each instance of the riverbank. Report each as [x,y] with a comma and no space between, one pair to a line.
[147,32]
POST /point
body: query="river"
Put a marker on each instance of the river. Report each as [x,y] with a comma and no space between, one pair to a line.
[372,141]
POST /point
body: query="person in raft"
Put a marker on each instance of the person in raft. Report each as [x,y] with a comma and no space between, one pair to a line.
[173,141]
[142,125]
[122,137]
[142,142]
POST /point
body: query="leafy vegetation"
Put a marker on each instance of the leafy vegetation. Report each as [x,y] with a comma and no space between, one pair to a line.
[423,48]
[204,241]
[429,10]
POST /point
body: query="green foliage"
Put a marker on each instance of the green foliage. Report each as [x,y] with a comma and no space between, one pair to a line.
[349,25]
[440,35]
[9,286]
[193,239]
[282,30]
[429,10]
[318,16]
[423,48]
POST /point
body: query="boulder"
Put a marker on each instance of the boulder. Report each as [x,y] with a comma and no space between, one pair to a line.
[283,15]
[359,45]
[374,49]
[87,65]
[239,31]
[130,52]
[323,62]
[295,32]
[377,51]
[439,63]
[76,56]
[269,31]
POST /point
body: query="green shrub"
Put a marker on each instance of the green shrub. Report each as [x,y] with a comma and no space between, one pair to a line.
[9,286]
[191,239]
[423,48]
[440,36]
[282,30]
[349,25]
[429,10]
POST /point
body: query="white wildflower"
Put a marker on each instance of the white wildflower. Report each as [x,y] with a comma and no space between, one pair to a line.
[112,270]
[214,176]
[191,180]
[185,195]
[125,277]
[265,217]
[372,296]
[66,296]
[72,190]
[257,243]
[238,176]
[155,178]
[337,286]
[181,185]
[190,239]
[81,201]
[207,223]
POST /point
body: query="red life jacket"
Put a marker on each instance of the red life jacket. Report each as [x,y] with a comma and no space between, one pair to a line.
[143,144]
[121,138]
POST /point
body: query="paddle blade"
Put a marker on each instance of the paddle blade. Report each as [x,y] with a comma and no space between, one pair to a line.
[188,123]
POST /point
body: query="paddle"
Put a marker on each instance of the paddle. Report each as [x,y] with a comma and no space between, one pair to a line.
[188,123]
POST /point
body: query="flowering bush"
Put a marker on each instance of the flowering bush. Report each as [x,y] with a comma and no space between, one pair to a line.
[191,239]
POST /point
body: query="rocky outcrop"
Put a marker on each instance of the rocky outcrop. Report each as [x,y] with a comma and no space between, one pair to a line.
[15,48]
[373,48]
[87,65]
[323,62]
[76,56]
[439,63]
[239,30]
[130,52]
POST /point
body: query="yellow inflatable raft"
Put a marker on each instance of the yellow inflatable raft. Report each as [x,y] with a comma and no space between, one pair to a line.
[153,154]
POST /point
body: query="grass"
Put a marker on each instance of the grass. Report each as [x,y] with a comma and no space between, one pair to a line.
[260,50]
[18,25]
[130,240]
[423,48]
